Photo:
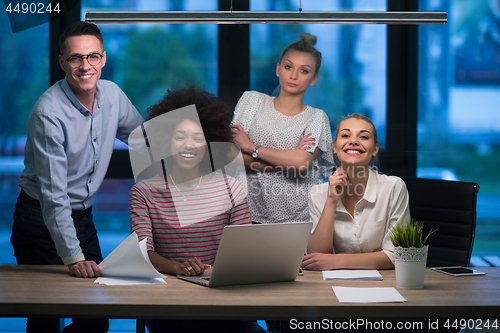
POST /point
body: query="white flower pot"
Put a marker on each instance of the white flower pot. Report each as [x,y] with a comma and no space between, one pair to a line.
[410,266]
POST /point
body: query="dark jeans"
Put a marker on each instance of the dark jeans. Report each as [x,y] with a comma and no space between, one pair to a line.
[33,245]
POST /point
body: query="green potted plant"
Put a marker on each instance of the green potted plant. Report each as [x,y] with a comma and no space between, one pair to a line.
[410,253]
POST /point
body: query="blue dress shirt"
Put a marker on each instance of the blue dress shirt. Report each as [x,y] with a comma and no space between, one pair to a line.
[67,153]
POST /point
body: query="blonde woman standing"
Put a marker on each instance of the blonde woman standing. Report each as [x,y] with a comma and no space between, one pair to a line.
[285,143]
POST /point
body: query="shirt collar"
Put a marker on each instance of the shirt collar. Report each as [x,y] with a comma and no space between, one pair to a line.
[370,192]
[74,100]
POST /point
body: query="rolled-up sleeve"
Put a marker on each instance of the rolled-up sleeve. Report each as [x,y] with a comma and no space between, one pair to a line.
[140,221]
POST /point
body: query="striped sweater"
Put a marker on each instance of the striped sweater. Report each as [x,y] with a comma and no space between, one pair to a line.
[178,229]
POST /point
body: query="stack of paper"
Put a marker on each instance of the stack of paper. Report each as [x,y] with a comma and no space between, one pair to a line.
[368,295]
[129,264]
[352,274]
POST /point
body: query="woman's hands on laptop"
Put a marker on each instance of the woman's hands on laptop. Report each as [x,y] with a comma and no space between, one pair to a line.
[192,266]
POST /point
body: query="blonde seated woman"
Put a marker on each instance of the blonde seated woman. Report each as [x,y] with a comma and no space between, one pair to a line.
[354,211]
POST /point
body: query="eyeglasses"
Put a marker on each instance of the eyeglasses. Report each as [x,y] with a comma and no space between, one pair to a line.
[76,60]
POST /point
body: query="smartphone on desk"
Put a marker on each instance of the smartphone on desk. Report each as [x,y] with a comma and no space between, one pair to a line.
[458,271]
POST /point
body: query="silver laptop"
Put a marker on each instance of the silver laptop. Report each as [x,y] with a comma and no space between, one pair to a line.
[257,253]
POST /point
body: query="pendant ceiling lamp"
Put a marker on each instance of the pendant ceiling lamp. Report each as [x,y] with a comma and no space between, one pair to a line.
[265,17]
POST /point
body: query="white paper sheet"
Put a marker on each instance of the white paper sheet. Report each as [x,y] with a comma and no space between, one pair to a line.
[352,274]
[117,281]
[368,295]
[129,264]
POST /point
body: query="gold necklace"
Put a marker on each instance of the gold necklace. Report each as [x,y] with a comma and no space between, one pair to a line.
[185,197]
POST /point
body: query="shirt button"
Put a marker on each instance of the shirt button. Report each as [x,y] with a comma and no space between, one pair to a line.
[95,140]
[90,181]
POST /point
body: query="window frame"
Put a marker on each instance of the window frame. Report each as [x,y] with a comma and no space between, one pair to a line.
[400,155]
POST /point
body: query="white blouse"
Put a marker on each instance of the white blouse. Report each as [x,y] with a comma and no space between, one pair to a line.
[281,196]
[384,204]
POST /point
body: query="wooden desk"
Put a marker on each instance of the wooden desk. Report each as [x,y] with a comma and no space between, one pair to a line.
[50,291]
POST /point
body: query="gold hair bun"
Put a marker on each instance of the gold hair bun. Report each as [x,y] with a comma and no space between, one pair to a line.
[307,38]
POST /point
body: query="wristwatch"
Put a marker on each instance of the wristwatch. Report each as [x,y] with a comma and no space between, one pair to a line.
[255,152]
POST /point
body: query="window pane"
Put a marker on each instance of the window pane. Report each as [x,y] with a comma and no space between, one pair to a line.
[145,60]
[459,94]
[352,78]
[25,75]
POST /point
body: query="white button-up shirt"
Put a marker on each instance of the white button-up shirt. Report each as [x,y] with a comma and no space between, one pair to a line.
[384,204]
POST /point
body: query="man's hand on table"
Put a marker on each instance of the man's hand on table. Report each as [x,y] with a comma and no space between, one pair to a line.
[84,269]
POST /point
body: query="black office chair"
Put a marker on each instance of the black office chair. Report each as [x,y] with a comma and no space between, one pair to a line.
[449,206]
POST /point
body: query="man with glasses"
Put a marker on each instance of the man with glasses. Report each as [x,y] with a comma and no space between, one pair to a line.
[71,134]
